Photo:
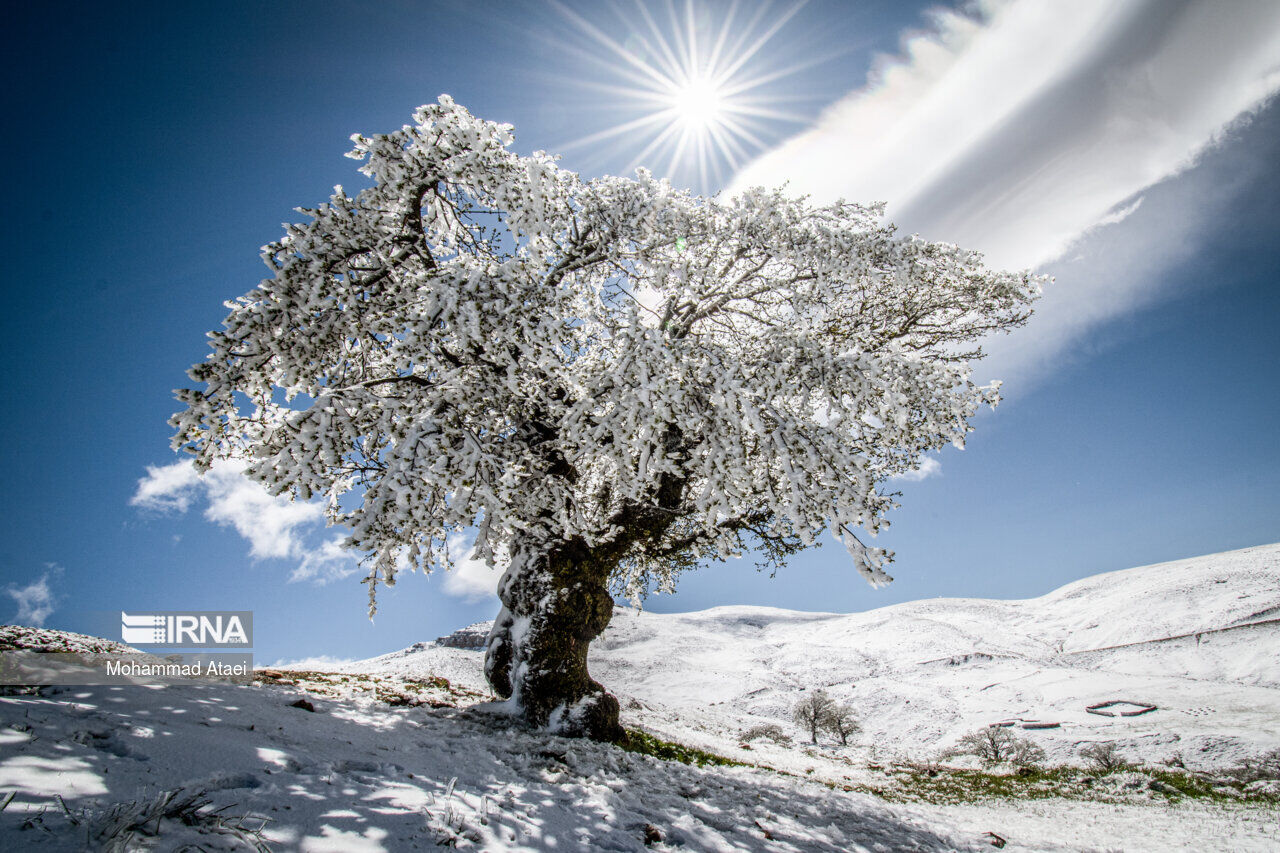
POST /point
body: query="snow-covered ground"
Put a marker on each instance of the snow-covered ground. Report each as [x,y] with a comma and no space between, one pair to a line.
[1199,639]
[375,766]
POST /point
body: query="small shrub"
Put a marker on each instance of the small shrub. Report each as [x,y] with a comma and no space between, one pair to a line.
[767,731]
[1259,768]
[1104,757]
[926,767]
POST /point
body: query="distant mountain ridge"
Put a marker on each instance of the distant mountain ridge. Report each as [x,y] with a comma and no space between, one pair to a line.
[474,636]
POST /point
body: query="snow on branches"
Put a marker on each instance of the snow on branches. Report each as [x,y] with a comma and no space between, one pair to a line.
[485,340]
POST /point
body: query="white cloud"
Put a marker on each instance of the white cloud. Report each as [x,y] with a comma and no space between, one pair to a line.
[470,579]
[278,528]
[1119,215]
[274,525]
[319,663]
[329,561]
[167,488]
[929,467]
[271,523]
[36,601]
[1022,128]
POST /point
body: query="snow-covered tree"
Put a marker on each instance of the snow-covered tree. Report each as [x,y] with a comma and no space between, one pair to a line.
[812,712]
[841,722]
[607,380]
[998,745]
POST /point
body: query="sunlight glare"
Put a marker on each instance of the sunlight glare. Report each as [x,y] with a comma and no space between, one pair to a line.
[698,104]
[702,93]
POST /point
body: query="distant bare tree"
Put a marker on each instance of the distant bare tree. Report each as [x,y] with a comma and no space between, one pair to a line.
[812,711]
[1104,757]
[998,745]
[841,722]
[1026,754]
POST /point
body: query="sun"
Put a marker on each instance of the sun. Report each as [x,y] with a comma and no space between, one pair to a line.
[700,94]
[698,104]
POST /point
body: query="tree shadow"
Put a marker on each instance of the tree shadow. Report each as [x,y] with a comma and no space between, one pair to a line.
[361,775]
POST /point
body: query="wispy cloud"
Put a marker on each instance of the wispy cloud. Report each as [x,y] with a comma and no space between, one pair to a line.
[274,526]
[167,488]
[325,562]
[470,579]
[278,528]
[1118,216]
[36,601]
[1027,124]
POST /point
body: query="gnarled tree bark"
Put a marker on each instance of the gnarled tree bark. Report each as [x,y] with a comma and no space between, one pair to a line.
[555,601]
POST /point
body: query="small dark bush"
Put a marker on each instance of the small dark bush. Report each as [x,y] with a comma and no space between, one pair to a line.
[1258,768]
[1104,757]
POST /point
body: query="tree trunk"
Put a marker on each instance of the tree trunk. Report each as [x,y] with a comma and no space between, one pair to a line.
[555,601]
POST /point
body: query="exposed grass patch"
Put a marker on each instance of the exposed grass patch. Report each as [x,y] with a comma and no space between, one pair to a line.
[433,691]
[948,786]
[941,785]
[644,743]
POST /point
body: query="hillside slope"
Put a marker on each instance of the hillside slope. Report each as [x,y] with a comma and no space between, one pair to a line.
[1196,638]
[1199,639]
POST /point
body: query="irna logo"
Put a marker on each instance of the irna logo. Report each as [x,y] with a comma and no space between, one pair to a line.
[189,629]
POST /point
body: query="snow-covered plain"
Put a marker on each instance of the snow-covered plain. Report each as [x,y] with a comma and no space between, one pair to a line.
[1198,639]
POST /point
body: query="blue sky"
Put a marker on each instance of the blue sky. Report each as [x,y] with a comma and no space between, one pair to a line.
[1128,148]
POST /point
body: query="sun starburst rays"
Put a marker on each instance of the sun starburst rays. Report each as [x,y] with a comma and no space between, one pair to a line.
[697,97]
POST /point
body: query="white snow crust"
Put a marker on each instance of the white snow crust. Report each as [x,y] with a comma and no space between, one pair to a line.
[1196,638]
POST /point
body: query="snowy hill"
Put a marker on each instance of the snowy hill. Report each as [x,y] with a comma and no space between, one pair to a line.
[1199,639]
[386,754]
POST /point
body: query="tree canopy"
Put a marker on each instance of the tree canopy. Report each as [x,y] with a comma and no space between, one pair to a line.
[484,339]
